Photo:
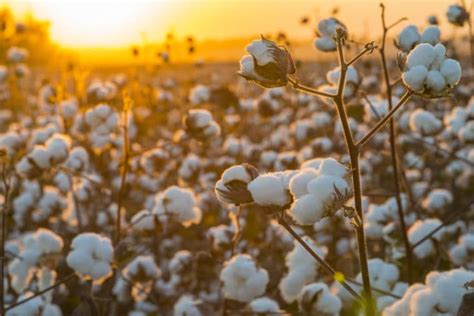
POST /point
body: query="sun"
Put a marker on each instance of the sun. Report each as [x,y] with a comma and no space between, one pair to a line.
[98,23]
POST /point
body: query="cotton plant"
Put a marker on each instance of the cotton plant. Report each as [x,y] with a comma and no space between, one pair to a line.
[326,32]
[317,299]
[199,124]
[351,85]
[425,123]
[461,254]
[419,230]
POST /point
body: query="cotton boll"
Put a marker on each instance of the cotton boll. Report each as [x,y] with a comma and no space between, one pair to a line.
[451,70]
[298,184]
[243,280]
[440,55]
[408,38]
[177,204]
[421,55]
[415,78]
[325,44]
[424,122]
[431,35]
[91,256]
[187,306]
[330,166]
[307,209]
[435,81]
[269,189]
[325,187]
[316,299]
[437,200]
[419,230]
[466,133]
[264,305]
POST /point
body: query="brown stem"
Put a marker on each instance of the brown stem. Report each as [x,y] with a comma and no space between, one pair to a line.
[393,152]
[6,201]
[384,121]
[299,87]
[353,150]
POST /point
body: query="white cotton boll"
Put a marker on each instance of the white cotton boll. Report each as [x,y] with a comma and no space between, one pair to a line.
[259,49]
[435,81]
[91,256]
[440,55]
[424,122]
[408,38]
[264,305]
[402,307]
[236,173]
[431,35]
[58,146]
[351,75]
[243,280]
[41,157]
[78,159]
[32,307]
[319,300]
[68,108]
[466,133]
[312,163]
[451,70]
[325,44]
[421,55]
[187,306]
[179,205]
[291,284]
[324,187]
[437,200]
[269,189]
[423,303]
[247,67]
[307,209]
[299,183]
[144,220]
[415,78]
[332,167]
[419,230]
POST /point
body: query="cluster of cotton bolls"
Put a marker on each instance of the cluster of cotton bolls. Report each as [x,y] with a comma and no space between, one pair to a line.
[102,121]
[441,294]
[428,71]
[326,32]
[410,36]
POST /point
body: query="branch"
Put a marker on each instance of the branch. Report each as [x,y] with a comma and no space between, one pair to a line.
[386,118]
[297,86]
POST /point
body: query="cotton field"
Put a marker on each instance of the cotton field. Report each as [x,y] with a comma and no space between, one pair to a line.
[273,186]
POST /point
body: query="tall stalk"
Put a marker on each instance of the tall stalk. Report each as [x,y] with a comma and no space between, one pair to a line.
[393,149]
[6,201]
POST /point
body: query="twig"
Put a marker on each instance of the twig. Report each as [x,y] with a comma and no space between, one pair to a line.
[299,87]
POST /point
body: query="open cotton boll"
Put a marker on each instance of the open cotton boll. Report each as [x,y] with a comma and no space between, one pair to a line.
[437,200]
[440,56]
[232,187]
[243,280]
[419,230]
[435,81]
[324,187]
[264,305]
[332,167]
[316,299]
[451,70]
[91,256]
[424,122]
[423,54]
[466,133]
[299,183]
[259,50]
[269,189]
[351,75]
[58,146]
[325,44]
[307,209]
[177,204]
[187,306]
[415,77]
[431,35]
[408,38]
[199,94]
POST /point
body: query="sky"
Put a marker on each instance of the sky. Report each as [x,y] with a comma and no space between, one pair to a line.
[116,23]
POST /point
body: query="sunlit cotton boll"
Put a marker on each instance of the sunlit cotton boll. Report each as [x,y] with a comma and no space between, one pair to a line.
[267,65]
[142,272]
[199,94]
[102,119]
[232,186]
[429,72]
[58,146]
[316,299]
[188,306]
[271,189]
[177,205]
[437,201]
[408,38]
[424,122]
[91,256]
[243,280]
[326,31]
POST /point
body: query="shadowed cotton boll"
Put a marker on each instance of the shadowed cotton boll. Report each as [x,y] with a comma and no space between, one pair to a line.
[232,187]
[316,299]
[419,230]
[199,94]
[457,15]
[264,305]
[270,189]
[188,306]
[424,122]
[177,205]
[243,280]
[326,31]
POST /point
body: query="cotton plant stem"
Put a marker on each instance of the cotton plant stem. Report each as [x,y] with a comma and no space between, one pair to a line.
[353,150]
[380,124]
[299,87]
[393,151]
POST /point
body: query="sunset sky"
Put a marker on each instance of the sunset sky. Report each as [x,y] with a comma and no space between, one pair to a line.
[109,23]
